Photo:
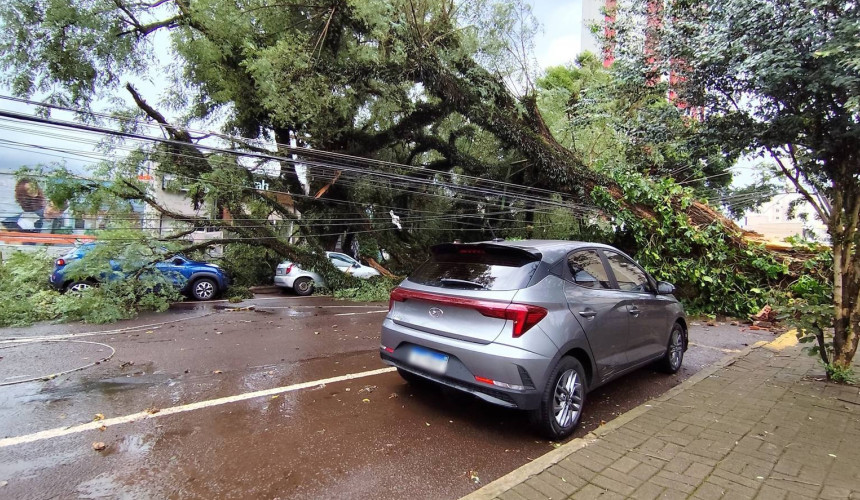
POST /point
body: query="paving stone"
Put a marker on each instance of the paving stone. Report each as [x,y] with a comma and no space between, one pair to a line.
[668,480]
[768,492]
[797,496]
[588,462]
[709,491]
[622,477]
[511,495]
[528,492]
[647,491]
[568,477]
[748,482]
[735,490]
[604,451]
[833,492]
[547,490]
[644,471]
[610,484]
[698,471]
[590,492]
[672,494]
[624,464]
[580,466]
[559,484]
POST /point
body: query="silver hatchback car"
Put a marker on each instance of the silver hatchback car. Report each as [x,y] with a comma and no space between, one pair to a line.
[533,324]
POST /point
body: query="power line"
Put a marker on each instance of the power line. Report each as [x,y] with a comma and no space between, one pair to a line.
[282,147]
[408,180]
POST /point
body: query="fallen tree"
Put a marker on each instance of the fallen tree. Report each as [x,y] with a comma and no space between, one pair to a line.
[396,81]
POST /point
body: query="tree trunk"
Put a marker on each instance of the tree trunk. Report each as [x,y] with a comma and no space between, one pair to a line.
[846,278]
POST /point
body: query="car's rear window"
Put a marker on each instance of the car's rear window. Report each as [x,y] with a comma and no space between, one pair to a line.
[487,268]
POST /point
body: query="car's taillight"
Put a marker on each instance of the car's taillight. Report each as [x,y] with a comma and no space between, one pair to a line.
[523,316]
[397,295]
[61,262]
[288,269]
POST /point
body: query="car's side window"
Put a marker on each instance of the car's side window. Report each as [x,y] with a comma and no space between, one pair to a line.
[337,259]
[630,278]
[586,269]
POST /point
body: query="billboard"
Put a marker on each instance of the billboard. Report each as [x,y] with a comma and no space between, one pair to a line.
[27,217]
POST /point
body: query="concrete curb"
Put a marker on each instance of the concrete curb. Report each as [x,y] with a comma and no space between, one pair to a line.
[546,461]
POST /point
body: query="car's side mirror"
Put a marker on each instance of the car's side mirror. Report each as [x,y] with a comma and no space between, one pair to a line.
[356,265]
[664,288]
[178,262]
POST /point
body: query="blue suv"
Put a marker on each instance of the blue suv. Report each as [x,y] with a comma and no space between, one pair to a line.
[200,280]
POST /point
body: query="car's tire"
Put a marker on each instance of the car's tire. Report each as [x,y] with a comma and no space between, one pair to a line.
[204,289]
[411,378]
[562,401]
[79,286]
[303,286]
[674,357]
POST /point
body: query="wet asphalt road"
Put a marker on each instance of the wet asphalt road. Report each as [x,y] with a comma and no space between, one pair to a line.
[370,437]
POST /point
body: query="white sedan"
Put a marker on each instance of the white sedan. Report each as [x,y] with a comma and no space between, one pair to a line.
[290,275]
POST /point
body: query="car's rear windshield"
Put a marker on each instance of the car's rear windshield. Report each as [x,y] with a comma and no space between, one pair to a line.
[476,268]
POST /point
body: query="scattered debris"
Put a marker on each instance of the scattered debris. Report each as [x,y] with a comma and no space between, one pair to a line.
[365,400]
[275,396]
[473,477]
[99,446]
[367,389]
[98,417]
[765,314]
[124,364]
[217,372]
[152,410]
[103,428]
[393,395]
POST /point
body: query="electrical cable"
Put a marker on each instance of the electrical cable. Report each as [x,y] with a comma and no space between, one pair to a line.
[280,146]
[52,376]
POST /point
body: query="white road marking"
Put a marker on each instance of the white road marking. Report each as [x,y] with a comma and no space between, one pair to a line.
[74,429]
[366,312]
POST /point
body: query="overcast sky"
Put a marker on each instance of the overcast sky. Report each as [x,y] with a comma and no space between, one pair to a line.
[562,21]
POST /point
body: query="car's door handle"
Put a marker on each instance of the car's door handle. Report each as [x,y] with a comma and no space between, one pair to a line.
[588,313]
[633,310]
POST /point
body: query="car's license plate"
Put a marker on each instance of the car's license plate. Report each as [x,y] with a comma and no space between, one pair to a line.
[431,361]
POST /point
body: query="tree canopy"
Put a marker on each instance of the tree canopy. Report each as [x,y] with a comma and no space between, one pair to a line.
[779,79]
[442,89]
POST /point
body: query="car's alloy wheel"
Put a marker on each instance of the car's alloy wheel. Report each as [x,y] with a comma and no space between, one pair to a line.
[303,286]
[79,286]
[204,289]
[567,404]
[674,357]
[562,401]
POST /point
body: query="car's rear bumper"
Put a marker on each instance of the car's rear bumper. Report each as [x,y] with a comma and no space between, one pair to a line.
[56,281]
[491,363]
[284,281]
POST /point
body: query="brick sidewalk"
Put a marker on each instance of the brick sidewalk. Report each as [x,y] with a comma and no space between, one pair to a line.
[759,427]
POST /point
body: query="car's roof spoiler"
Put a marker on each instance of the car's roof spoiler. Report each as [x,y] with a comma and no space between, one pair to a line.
[442,248]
